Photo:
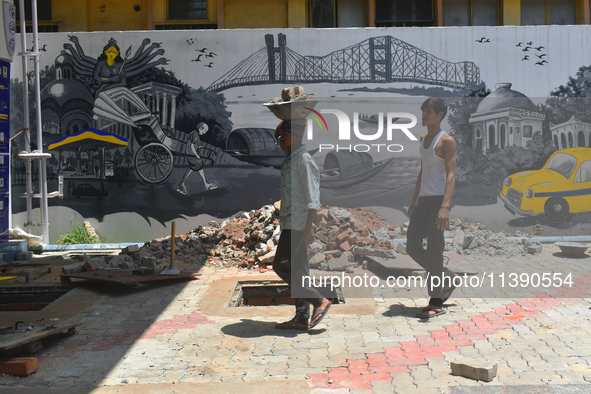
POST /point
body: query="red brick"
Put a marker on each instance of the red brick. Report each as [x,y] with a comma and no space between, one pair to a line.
[394,369]
[439,334]
[258,301]
[515,308]
[466,323]
[480,320]
[481,331]
[394,353]
[409,346]
[376,360]
[357,382]
[19,366]
[342,237]
[357,366]
[337,374]
[436,349]
[455,342]
[345,246]
[318,380]
[425,340]
[454,329]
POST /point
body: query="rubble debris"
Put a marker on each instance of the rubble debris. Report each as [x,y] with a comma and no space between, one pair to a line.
[249,240]
[33,241]
[91,232]
[474,369]
[291,94]
[94,264]
[73,268]
[535,249]
[474,238]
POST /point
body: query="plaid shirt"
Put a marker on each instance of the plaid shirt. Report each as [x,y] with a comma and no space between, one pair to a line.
[300,189]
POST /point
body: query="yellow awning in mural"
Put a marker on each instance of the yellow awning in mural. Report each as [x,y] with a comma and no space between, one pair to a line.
[86,137]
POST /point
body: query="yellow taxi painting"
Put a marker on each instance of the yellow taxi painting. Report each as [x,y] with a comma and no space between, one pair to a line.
[561,187]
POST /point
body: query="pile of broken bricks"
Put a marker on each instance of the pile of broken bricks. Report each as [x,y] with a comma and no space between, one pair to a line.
[344,237]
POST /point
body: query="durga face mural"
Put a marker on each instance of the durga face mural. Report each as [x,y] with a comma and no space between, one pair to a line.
[110,69]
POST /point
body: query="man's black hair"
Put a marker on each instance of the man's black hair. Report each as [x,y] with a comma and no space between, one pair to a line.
[438,104]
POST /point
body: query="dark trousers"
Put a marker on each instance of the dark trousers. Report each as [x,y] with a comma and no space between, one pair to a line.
[423,225]
[291,264]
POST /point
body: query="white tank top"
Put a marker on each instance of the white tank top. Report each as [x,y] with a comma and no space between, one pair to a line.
[433,175]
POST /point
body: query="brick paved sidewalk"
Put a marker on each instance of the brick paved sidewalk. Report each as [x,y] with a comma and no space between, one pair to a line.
[184,337]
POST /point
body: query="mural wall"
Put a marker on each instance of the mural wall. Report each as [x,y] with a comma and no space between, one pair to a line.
[151,127]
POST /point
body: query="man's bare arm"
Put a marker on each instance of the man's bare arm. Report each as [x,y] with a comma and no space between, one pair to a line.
[449,152]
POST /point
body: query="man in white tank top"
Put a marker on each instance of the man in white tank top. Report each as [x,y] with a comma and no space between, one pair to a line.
[429,208]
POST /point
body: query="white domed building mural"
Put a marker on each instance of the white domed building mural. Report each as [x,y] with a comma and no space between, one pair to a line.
[66,103]
[574,133]
[503,119]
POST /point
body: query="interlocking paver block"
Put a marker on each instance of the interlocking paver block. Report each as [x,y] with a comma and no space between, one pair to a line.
[474,369]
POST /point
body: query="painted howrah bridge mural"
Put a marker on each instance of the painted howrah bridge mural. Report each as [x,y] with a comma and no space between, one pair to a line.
[147,128]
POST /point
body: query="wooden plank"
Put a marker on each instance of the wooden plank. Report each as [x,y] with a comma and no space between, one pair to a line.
[126,277]
[10,340]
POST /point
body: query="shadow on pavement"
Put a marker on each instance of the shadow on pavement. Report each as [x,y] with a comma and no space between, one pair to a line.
[254,329]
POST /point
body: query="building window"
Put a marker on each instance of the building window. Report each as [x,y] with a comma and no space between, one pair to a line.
[337,13]
[351,13]
[470,12]
[527,131]
[44,17]
[548,12]
[402,13]
[43,11]
[323,13]
[187,9]
[177,26]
